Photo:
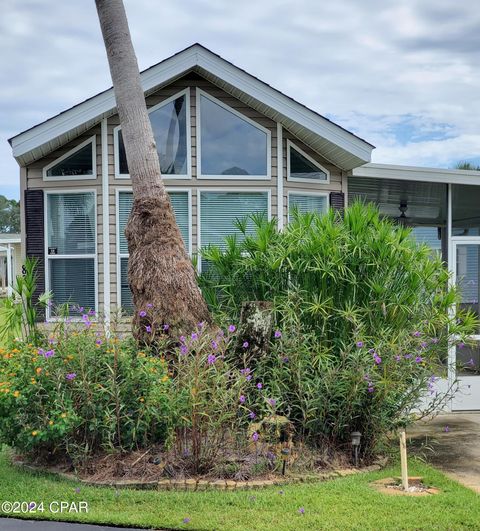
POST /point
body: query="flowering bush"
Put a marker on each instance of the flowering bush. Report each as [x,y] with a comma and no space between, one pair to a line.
[80,392]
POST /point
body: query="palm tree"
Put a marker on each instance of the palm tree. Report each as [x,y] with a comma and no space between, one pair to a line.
[160,273]
[464,165]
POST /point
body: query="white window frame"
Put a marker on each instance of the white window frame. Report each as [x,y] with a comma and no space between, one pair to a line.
[290,145]
[188,175]
[65,191]
[120,255]
[268,191]
[267,177]
[91,140]
[301,193]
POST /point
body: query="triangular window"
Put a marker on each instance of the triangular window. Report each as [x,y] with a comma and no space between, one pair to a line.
[77,163]
[303,168]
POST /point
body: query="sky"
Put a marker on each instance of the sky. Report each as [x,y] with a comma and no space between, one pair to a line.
[402,74]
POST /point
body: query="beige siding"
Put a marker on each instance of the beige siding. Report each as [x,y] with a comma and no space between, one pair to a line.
[34,178]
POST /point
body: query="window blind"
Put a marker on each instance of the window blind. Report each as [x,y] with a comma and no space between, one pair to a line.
[307,203]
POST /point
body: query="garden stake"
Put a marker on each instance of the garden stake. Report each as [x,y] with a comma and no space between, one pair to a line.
[403,459]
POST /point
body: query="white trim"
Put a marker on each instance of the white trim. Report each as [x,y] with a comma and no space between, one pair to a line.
[119,255]
[106,223]
[303,193]
[414,173]
[175,66]
[188,175]
[280,213]
[253,123]
[251,190]
[48,257]
[91,140]
[292,145]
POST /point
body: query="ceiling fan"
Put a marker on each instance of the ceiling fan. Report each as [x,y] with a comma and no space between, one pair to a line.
[403,219]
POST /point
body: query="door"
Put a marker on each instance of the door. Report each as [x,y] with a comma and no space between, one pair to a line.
[465,360]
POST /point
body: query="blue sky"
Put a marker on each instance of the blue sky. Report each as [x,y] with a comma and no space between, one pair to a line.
[403,75]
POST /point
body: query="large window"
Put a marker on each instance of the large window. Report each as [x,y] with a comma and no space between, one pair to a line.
[219,212]
[169,121]
[230,144]
[301,167]
[465,210]
[71,249]
[181,206]
[303,203]
[78,163]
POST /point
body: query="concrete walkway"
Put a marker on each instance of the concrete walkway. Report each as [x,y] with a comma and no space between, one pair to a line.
[13,524]
[454,441]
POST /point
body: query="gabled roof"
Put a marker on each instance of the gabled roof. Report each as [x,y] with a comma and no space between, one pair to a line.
[335,143]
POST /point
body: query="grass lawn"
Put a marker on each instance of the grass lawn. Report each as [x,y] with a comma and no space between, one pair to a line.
[344,503]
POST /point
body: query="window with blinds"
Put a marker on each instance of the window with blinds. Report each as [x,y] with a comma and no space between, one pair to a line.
[71,249]
[304,203]
[181,207]
[220,210]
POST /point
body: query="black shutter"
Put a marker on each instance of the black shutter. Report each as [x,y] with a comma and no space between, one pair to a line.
[35,238]
[337,201]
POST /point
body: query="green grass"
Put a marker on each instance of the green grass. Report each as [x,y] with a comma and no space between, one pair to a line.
[344,503]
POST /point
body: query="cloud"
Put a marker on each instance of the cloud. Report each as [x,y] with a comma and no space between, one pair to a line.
[404,76]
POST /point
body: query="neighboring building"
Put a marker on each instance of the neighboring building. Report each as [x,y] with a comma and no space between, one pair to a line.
[10,261]
[229,145]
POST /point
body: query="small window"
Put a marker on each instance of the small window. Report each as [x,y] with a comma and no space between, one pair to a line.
[78,163]
[231,145]
[169,125]
[301,167]
[220,210]
[71,249]
[303,203]
[181,206]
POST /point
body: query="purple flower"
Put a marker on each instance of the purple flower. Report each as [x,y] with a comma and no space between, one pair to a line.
[41,352]
[85,317]
[91,312]
[71,376]
[201,325]
[186,520]
[461,345]
[285,359]
[194,336]
[359,344]
[423,344]
[398,358]
[418,359]
[182,339]
[245,344]
[142,313]
[407,356]
[166,327]
[211,359]
[149,305]
[272,402]
[435,340]
[277,334]
[77,490]
[214,345]
[98,342]
[301,510]
[377,359]
[183,349]
[255,436]
[49,353]
[471,362]
[242,399]
[148,329]
[417,334]
[252,415]
[231,328]
[370,388]
[51,341]
[259,385]
[446,429]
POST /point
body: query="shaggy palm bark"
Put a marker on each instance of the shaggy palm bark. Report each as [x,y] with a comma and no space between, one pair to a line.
[160,273]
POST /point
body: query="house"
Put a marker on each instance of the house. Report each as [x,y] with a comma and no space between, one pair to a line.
[10,261]
[229,145]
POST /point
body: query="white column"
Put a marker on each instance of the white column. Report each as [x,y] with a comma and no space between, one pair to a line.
[9,270]
[279,176]
[106,222]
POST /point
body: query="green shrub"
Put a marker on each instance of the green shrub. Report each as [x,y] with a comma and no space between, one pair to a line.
[81,392]
[364,313]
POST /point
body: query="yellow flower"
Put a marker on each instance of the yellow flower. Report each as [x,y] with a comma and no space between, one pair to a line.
[33,381]
[142,399]
[69,357]
[34,433]
[165,378]
[38,370]
[15,350]
[34,359]
[50,422]
[63,415]
[141,354]
[16,394]
[7,390]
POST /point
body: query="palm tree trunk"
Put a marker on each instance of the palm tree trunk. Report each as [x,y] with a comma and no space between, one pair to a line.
[161,275]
